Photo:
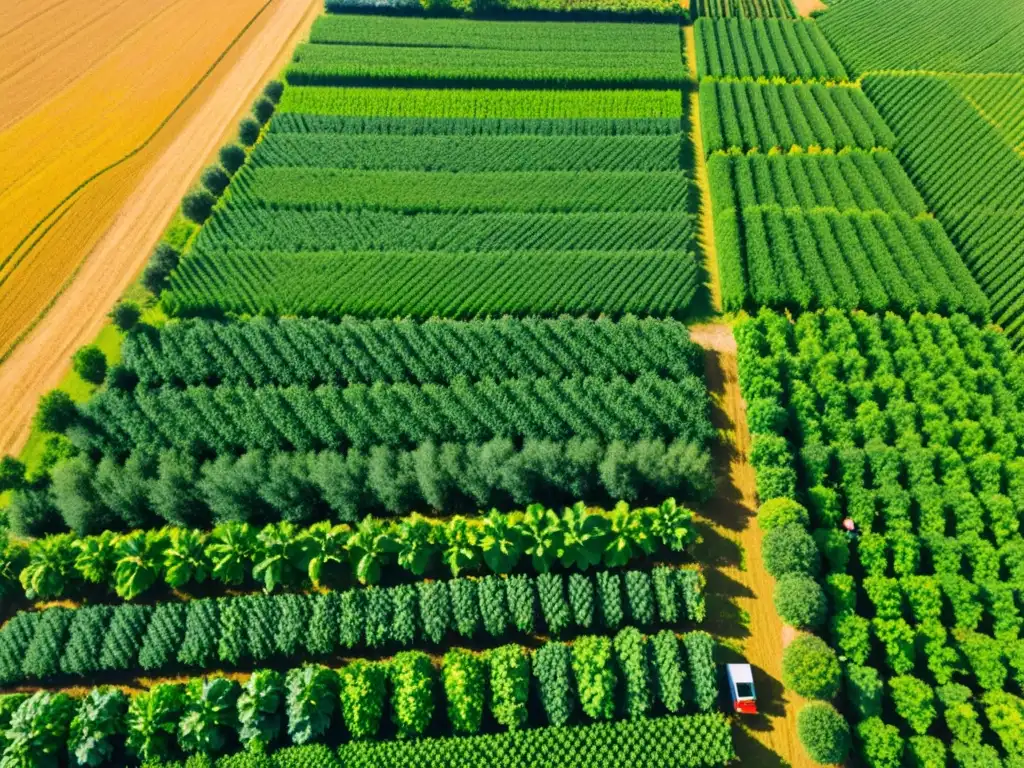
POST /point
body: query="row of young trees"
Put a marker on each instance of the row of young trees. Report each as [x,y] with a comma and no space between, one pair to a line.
[61,643]
[301,487]
[594,679]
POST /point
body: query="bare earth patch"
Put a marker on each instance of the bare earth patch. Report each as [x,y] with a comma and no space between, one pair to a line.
[807,7]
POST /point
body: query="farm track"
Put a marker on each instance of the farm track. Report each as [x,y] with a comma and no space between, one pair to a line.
[740,608]
[150,187]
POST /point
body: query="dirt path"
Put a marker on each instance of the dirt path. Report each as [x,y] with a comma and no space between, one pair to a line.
[38,363]
[807,7]
[740,609]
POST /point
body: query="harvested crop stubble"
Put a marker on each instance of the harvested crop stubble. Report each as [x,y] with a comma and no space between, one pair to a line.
[976,195]
[420,192]
[255,230]
[461,153]
[232,418]
[761,115]
[422,285]
[607,37]
[364,64]
[425,102]
[764,48]
[287,351]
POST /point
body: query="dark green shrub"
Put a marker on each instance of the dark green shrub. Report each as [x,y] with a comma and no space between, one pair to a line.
[263,110]
[776,513]
[125,315]
[56,411]
[435,609]
[232,157]
[790,549]
[609,599]
[197,205]
[215,179]
[554,606]
[864,691]
[552,667]
[669,675]
[248,131]
[85,640]
[640,598]
[273,90]
[202,623]
[522,603]
[163,637]
[631,655]
[163,261]
[44,651]
[330,620]
[90,363]
[581,600]
[124,637]
[493,605]
[379,616]
[465,606]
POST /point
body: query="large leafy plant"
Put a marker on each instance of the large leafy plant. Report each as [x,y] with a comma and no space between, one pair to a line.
[260,707]
[139,557]
[153,721]
[38,731]
[210,715]
[312,691]
[50,567]
[100,720]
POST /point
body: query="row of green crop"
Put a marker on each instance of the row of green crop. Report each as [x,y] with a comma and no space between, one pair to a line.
[869,260]
[62,643]
[285,351]
[763,48]
[849,181]
[452,127]
[93,726]
[976,195]
[424,285]
[596,679]
[149,489]
[412,192]
[238,555]
[243,228]
[237,418]
[763,116]
[930,35]
[339,65]
[567,39]
[426,102]
[910,442]
[744,9]
[472,154]
[560,10]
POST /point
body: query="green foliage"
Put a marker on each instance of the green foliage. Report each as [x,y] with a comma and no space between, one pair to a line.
[596,681]
[881,744]
[810,668]
[522,603]
[609,599]
[914,701]
[926,752]
[509,679]
[702,672]
[669,675]
[311,692]
[50,566]
[789,549]
[164,636]
[42,655]
[362,698]
[90,363]
[631,655]
[640,597]
[552,667]
[800,601]
[152,721]
[197,205]
[38,731]
[260,707]
[581,600]
[199,646]
[124,637]
[864,691]
[462,673]
[412,692]
[823,732]
[776,513]
[554,606]
[210,715]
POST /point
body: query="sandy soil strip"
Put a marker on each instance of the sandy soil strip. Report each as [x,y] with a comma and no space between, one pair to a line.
[807,7]
[38,363]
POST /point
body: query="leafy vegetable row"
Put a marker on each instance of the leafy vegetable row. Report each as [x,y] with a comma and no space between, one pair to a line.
[595,679]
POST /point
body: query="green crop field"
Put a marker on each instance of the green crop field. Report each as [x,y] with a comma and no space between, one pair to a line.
[511,358]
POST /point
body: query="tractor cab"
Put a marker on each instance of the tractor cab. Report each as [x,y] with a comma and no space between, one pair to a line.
[741,688]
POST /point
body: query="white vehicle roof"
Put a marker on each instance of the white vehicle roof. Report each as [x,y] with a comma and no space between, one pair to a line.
[740,673]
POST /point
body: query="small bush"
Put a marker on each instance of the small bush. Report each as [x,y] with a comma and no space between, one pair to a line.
[263,110]
[810,668]
[790,549]
[248,131]
[161,264]
[56,411]
[824,733]
[90,363]
[215,179]
[232,157]
[800,601]
[12,474]
[125,315]
[273,90]
[776,513]
[197,205]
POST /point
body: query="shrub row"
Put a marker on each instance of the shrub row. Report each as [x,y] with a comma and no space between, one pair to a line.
[284,351]
[251,630]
